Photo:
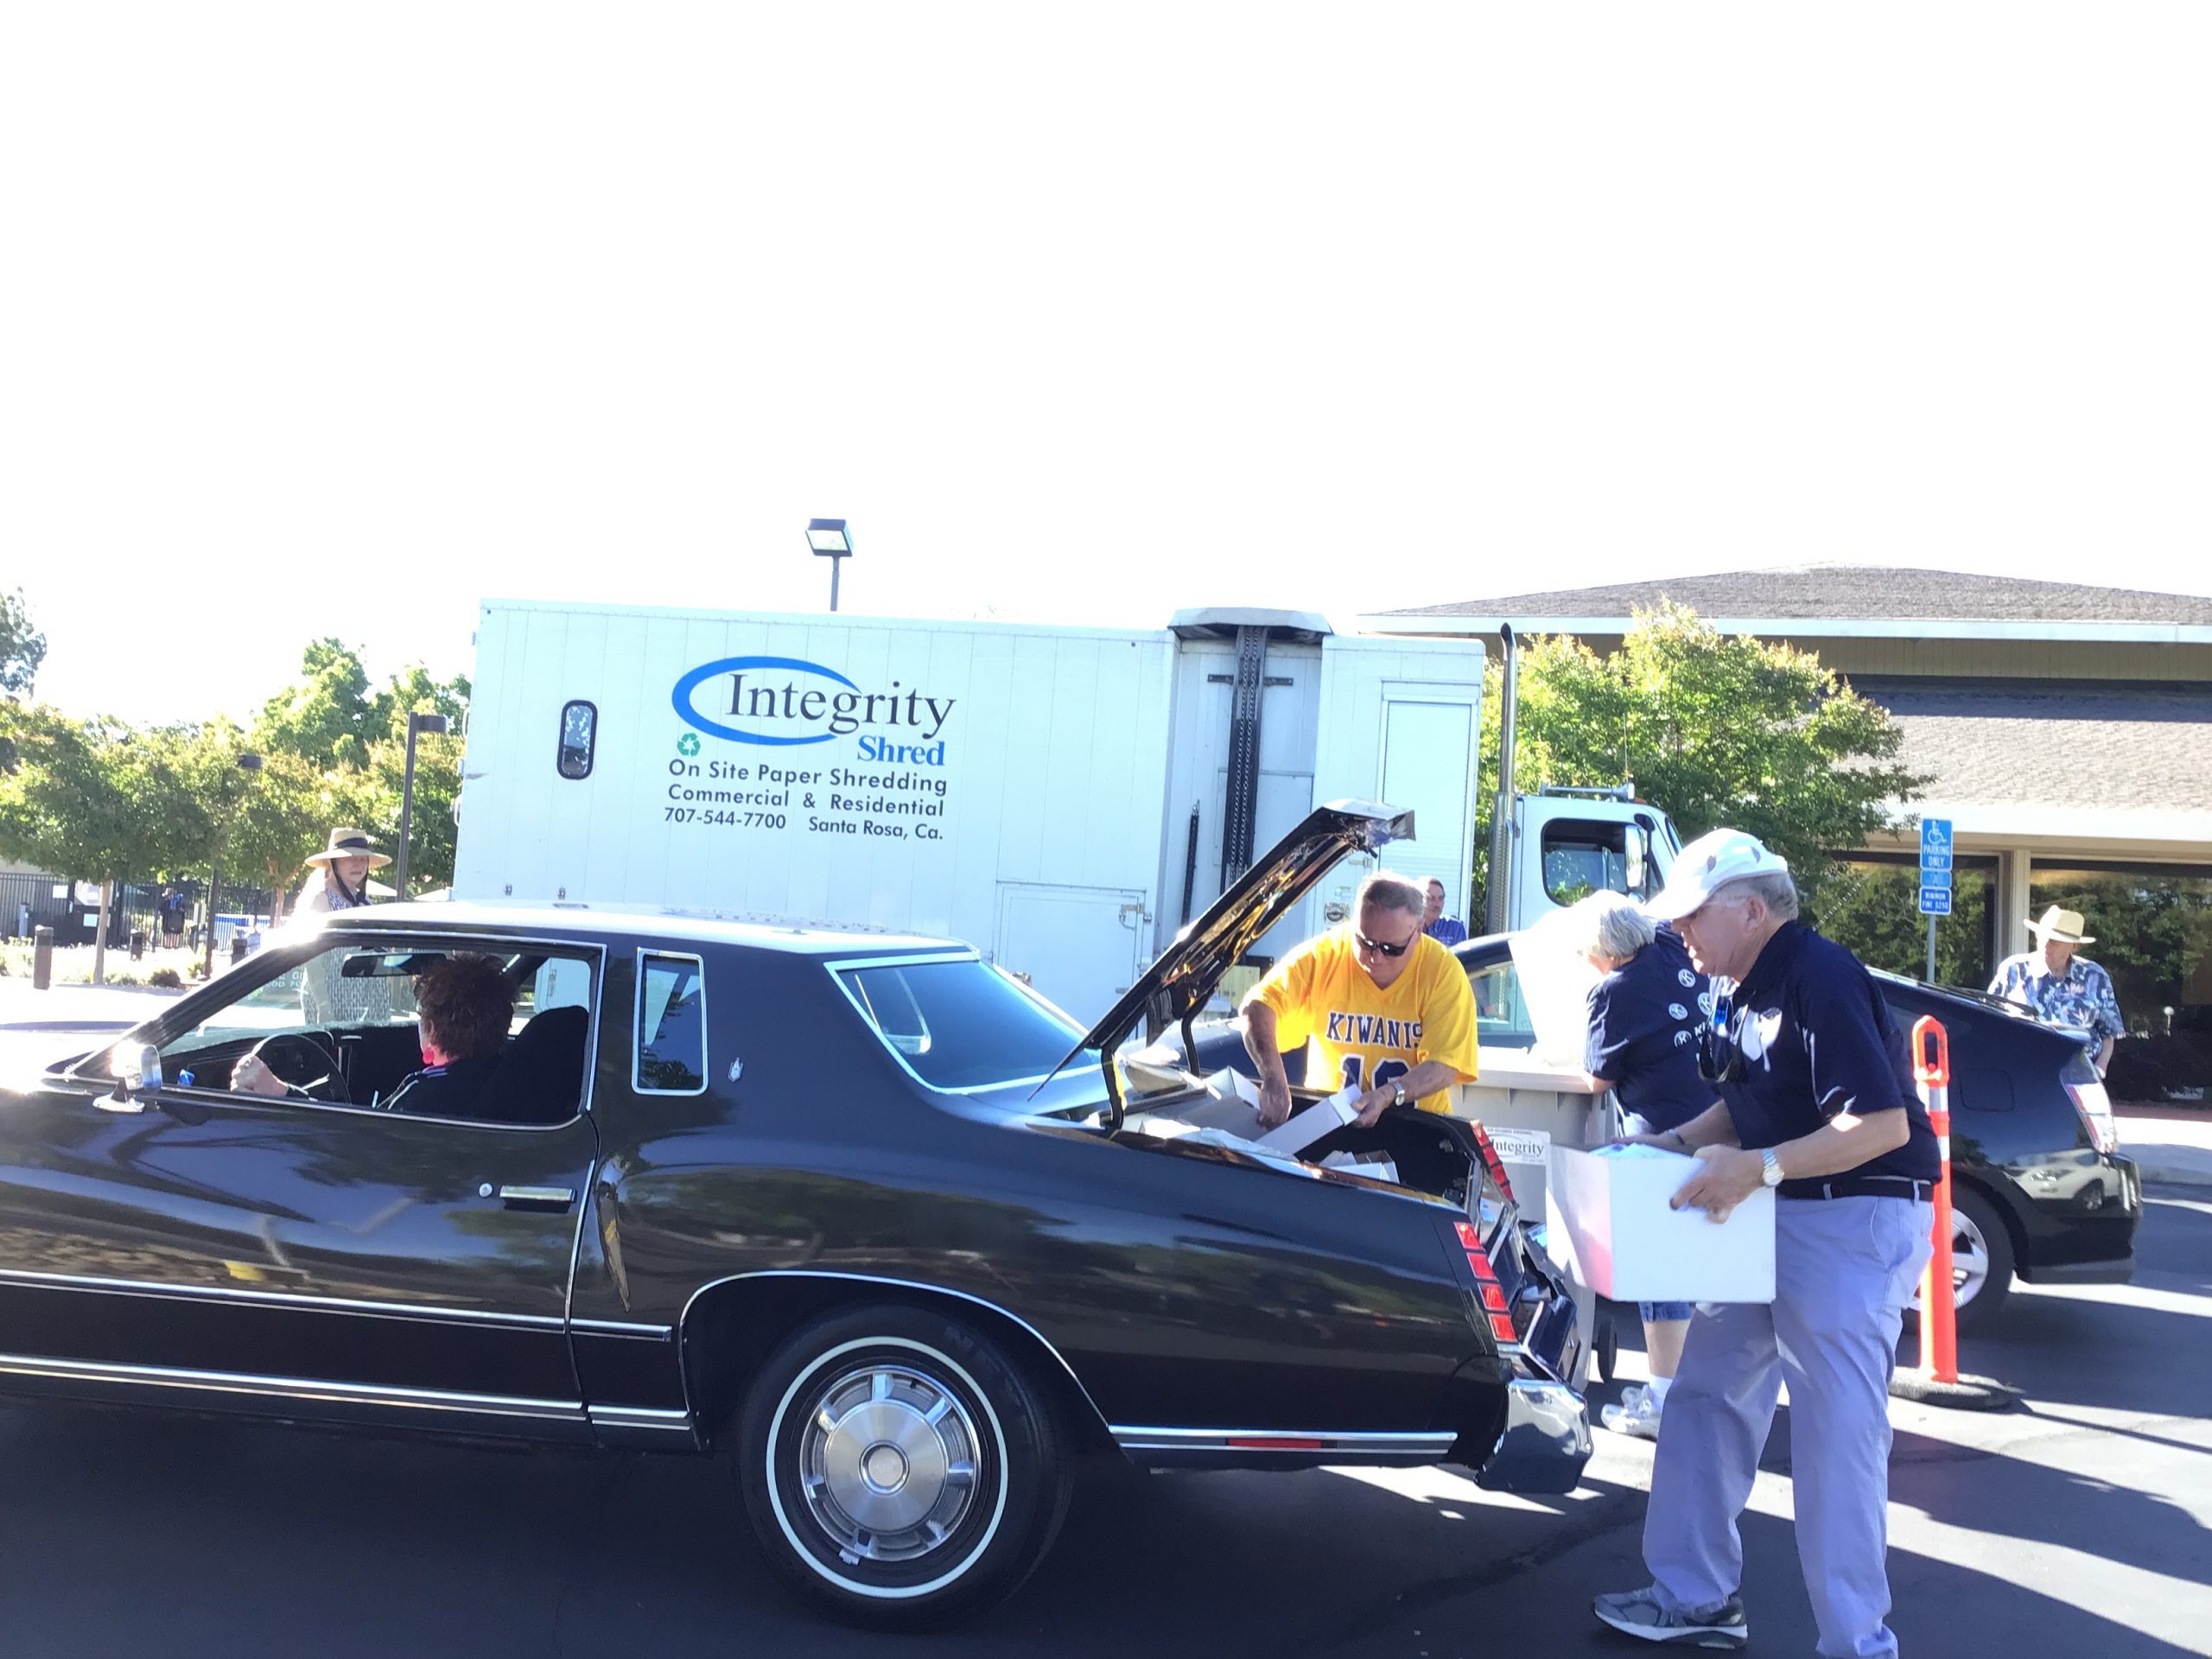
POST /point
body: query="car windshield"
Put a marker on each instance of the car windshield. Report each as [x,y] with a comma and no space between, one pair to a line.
[959,1024]
[1501,1011]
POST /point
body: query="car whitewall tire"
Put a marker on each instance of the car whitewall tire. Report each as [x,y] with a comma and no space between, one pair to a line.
[898,1470]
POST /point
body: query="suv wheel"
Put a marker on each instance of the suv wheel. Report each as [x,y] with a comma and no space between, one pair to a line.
[897,1470]
[1981,1258]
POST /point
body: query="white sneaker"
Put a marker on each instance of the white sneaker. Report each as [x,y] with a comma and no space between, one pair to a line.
[1638,1413]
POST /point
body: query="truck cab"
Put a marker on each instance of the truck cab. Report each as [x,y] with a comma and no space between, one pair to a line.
[1564,843]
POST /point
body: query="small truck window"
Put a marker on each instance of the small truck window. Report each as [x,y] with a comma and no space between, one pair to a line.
[579,738]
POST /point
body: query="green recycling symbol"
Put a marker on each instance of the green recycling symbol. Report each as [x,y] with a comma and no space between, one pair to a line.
[688,745]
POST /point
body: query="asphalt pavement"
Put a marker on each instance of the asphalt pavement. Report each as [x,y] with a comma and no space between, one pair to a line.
[2076,1525]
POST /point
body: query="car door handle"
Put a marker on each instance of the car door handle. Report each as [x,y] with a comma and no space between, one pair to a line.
[533,1198]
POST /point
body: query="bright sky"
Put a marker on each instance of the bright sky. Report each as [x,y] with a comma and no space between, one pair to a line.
[323,320]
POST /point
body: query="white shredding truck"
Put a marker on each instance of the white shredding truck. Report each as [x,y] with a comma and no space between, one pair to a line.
[1063,798]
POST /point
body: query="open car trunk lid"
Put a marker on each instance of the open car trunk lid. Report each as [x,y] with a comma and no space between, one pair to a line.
[1183,979]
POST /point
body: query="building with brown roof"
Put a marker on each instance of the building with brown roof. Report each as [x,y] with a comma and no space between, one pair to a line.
[2066,729]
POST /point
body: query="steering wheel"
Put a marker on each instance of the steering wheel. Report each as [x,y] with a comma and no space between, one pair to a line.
[305,1062]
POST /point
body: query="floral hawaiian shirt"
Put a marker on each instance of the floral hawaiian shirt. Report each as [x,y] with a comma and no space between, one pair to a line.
[2081,996]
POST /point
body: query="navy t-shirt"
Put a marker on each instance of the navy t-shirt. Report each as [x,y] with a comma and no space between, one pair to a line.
[1817,1040]
[1644,1021]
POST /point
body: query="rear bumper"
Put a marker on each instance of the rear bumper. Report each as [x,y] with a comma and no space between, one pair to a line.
[1546,1442]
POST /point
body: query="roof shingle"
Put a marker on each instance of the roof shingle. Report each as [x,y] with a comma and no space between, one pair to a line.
[1833,593]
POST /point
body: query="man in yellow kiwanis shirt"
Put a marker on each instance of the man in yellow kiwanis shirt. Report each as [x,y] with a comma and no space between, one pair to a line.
[1381,1006]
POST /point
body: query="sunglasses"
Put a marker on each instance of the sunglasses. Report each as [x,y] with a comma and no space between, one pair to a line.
[1719,1057]
[1366,943]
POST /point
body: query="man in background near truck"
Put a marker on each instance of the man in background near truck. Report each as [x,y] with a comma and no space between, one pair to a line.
[1379,1006]
[1444,930]
[1816,1100]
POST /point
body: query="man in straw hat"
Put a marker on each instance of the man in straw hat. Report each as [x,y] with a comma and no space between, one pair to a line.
[342,883]
[2062,989]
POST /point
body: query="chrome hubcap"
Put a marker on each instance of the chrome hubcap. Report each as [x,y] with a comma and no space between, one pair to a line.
[887,1463]
[1969,1260]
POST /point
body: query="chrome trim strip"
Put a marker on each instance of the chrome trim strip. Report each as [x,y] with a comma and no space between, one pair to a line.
[618,1328]
[837,967]
[895,1284]
[641,1417]
[1432,1441]
[286,1388]
[282,1298]
[638,1024]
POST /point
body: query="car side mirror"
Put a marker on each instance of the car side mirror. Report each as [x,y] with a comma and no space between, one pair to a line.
[1638,857]
[137,1077]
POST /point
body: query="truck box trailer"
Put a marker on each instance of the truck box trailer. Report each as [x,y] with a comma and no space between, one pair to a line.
[1063,798]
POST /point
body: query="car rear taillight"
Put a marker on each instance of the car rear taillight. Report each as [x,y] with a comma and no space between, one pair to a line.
[2094,1105]
[1490,1294]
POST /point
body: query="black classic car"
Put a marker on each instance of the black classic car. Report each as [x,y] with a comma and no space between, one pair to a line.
[2040,1191]
[858,1212]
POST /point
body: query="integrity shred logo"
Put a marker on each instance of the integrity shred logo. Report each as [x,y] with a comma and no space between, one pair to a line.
[781,702]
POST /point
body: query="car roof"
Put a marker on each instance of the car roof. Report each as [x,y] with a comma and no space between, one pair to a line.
[578,921]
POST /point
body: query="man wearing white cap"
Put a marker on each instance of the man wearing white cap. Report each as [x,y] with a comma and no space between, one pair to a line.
[1816,1099]
[2062,989]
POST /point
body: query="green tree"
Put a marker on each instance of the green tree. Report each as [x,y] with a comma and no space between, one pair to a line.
[432,831]
[1716,730]
[329,717]
[89,800]
[22,647]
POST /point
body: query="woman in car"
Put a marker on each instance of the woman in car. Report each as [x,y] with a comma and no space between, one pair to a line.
[1646,1011]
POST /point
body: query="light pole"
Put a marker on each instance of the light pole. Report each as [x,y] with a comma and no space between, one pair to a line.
[830,540]
[417,724]
[247,762]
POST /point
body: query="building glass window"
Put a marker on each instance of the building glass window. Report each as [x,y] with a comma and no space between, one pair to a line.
[1873,905]
[2152,928]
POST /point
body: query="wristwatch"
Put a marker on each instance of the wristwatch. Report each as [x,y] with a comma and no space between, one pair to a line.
[1770,1168]
[1398,1094]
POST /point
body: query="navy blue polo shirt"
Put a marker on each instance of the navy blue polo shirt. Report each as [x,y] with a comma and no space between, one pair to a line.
[1644,1021]
[1817,1040]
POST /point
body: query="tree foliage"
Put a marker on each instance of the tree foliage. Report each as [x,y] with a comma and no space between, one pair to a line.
[22,647]
[85,798]
[1717,730]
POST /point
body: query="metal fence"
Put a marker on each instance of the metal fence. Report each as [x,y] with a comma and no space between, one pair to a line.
[34,899]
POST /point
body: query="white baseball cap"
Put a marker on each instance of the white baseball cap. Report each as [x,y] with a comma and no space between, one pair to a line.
[1708,862]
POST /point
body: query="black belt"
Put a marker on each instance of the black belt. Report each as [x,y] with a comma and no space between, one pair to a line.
[1869,1186]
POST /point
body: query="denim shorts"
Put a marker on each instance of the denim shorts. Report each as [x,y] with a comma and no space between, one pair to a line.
[1654,1312]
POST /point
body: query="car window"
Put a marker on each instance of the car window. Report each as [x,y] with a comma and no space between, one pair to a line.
[1501,1011]
[351,1010]
[672,1048]
[958,1023]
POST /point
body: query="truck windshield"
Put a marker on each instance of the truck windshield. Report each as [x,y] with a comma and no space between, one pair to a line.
[958,1024]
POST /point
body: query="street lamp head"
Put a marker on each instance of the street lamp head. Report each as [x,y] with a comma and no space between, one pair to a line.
[249,761]
[436,723]
[829,538]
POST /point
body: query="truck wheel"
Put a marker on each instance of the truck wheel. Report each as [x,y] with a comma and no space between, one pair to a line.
[898,1471]
[1981,1259]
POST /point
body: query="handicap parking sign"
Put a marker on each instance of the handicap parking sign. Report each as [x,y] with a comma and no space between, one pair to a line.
[1935,901]
[1935,836]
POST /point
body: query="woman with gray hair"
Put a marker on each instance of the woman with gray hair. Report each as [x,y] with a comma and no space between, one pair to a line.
[1646,1011]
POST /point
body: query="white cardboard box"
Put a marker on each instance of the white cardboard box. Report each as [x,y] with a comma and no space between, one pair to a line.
[1611,1228]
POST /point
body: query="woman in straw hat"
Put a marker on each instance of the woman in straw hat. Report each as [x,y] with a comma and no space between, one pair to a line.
[2062,989]
[342,883]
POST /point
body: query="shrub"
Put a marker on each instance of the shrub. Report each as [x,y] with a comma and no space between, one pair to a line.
[165,979]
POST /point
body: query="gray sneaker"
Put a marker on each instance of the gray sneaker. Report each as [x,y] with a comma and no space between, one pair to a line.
[1638,1413]
[1641,1613]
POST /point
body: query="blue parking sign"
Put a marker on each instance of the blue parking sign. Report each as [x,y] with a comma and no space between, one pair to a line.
[1935,836]
[1935,901]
